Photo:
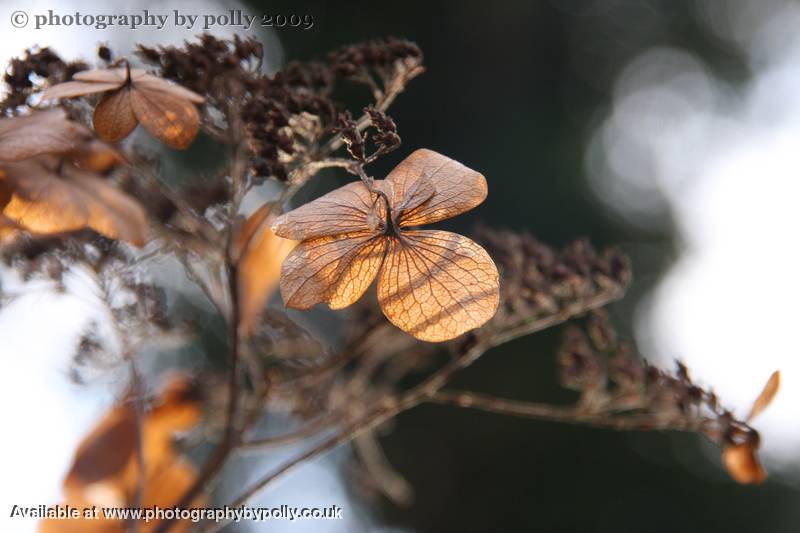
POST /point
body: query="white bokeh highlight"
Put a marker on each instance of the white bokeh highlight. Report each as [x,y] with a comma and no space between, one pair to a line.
[723,160]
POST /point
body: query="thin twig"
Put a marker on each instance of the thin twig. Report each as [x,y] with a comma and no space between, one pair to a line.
[381,104]
[303,432]
[389,481]
[138,409]
[421,393]
[563,414]
[230,437]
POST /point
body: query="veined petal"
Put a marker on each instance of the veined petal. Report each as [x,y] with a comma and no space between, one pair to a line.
[336,269]
[113,117]
[457,188]
[41,202]
[436,285]
[109,75]
[45,203]
[153,83]
[113,213]
[43,132]
[344,210]
[171,119]
[71,89]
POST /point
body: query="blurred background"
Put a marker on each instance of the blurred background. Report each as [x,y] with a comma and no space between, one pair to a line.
[668,128]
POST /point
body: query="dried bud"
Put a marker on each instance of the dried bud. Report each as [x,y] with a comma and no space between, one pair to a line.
[580,367]
[601,332]
[354,140]
[104,53]
[386,137]
[625,369]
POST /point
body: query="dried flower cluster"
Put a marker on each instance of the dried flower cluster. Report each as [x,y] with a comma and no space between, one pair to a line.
[43,63]
[79,197]
[618,389]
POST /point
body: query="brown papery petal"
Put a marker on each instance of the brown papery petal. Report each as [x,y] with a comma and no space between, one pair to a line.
[46,132]
[742,464]
[420,192]
[47,204]
[332,269]
[105,470]
[113,117]
[173,120]
[259,266]
[436,285]
[152,83]
[104,452]
[458,188]
[343,210]
[246,229]
[42,202]
[72,89]
[96,156]
[767,395]
[109,75]
[112,212]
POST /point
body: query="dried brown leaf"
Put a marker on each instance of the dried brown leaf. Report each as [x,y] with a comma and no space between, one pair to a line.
[104,452]
[96,156]
[110,75]
[72,89]
[246,228]
[106,471]
[112,213]
[151,83]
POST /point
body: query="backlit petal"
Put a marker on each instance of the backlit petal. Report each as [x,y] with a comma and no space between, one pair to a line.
[343,210]
[332,269]
[458,188]
[436,285]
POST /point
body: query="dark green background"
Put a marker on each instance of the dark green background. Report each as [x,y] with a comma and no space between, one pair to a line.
[514,89]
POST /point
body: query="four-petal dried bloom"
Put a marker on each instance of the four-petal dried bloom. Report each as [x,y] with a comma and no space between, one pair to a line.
[165,110]
[434,285]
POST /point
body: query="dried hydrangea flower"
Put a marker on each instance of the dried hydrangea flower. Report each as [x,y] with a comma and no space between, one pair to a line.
[165,110]
[46,196]
[434,285]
